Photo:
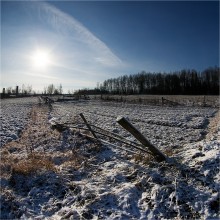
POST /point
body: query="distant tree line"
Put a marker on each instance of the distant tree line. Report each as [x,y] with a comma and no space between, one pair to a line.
[87,91]
[53,90]
[184,82]
[26,90]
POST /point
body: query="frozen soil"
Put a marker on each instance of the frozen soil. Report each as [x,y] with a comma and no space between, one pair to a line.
[163,126]
[14,115]
[61,174]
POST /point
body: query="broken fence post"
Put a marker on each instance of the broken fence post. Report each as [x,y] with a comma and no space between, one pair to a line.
[129,127]
[162,100]
[88,126]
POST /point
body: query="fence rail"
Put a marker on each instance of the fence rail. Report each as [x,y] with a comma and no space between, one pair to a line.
[98,133]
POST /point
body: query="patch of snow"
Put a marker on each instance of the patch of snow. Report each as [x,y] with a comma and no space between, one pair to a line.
[93,182]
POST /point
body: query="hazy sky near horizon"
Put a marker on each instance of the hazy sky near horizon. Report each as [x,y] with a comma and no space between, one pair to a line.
[78,44]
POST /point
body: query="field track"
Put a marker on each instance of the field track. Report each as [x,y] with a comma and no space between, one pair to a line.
[54,174]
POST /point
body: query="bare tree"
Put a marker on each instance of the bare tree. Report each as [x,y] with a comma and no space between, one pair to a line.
[26,89]
[50,89]
[9,90]
[60,89]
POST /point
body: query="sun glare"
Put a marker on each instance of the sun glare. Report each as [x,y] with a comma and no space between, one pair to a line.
[41,59]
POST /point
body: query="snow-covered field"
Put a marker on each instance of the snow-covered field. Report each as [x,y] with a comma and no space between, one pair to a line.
[51,174]
[163,126]
[14,117]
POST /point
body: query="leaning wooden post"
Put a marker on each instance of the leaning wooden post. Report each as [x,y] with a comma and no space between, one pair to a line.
[204,103]
[16,91]
[162,101]
[3,93]
[88,126]
[129,127]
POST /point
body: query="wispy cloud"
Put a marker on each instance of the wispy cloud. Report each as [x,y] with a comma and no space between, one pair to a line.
[78,57]
[68,25]
[39,75]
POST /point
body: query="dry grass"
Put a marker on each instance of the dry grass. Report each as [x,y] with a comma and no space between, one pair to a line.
[33,152]
[142,158]
[33,164]
[19,156]
[12,163]
[148,158]
[213,125]
[169,152]
[68,159]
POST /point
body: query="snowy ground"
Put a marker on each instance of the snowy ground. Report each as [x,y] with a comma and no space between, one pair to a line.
[163,126]
[51,174]
[14,116]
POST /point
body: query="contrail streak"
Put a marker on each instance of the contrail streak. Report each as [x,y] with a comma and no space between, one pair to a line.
[67,24]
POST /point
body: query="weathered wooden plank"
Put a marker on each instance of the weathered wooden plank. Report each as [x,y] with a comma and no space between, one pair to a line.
[88,126]
[114,136]
[103,141]
[134,131]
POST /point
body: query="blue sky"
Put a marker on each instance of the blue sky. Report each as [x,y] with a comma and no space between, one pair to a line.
[90,41]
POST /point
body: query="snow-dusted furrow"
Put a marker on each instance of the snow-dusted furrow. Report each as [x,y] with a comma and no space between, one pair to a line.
[59,174]
[163,126]
[14,115]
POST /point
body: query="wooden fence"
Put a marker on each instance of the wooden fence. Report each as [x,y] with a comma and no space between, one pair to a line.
[98,133]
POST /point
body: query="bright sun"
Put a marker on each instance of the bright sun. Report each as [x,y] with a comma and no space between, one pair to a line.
[41,58]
